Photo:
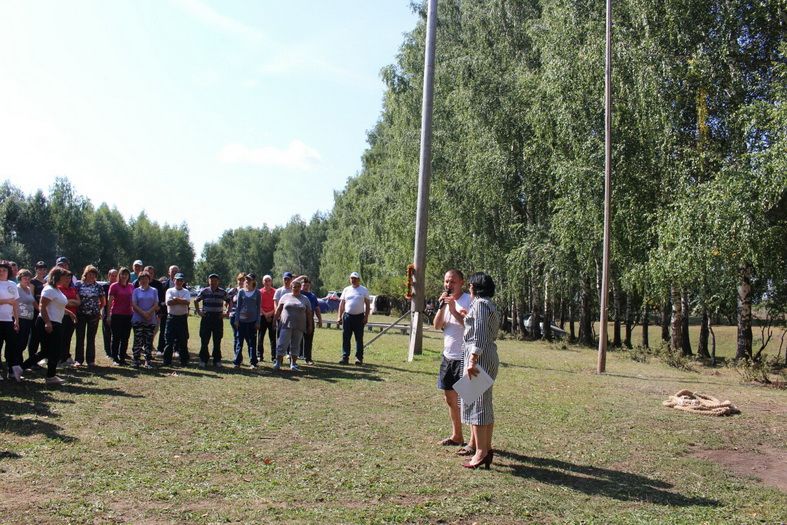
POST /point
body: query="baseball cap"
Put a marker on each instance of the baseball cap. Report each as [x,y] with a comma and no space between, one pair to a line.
[138,262]
[251,276]
[355,275]
[287,275]
[180,276]
[61,260]
[41,264]
[213,276]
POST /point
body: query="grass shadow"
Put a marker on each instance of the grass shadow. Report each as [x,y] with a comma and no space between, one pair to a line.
[11,422]
[596,481]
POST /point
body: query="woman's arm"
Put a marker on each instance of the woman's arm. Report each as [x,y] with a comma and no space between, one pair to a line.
[45,314]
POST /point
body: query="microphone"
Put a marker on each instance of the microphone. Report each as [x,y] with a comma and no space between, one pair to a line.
[440,304]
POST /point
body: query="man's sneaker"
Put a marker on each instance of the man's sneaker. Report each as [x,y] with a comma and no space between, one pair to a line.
[148,365]
[253,366]
[359,362]
[295,368]
[70,362]
[344,361]
[159,354]
[235,366]
[77,364]
[115,363]
[276,366]
[203,364]
[309,362]
[55,380]
[17,372]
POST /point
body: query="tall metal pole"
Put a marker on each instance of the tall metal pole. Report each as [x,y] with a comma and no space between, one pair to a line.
[602,340]
[424,174]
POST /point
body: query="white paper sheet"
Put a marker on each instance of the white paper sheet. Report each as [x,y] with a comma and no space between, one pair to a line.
[470,390]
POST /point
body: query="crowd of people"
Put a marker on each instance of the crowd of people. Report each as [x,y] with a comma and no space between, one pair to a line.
[41,311]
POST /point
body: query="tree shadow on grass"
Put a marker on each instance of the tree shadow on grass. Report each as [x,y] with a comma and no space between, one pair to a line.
[596,481]
[10,422]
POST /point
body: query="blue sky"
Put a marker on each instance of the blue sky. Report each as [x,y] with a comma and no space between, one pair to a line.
[173,106]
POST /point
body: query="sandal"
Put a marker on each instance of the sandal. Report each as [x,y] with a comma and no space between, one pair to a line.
[465,451]
[448,442]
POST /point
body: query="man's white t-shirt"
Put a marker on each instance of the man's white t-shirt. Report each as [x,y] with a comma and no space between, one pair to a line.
[353,298]
[8,290]
[57,303]
[177,309]
[454,330]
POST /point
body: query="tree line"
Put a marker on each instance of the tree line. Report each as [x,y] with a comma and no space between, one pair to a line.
[699,223]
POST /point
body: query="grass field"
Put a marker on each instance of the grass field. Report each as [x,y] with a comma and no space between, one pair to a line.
[347,444]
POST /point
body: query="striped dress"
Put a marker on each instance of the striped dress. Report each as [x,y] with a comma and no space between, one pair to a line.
[481,324]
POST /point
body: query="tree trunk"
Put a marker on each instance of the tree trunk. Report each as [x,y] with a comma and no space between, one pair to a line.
[645,323]
[538,308]
[702,346]
[685,342]
[572,335]
[617,305]
[665,320]
[713,345]
[744,312]
[547,308]
[629,322]
[677,321]
[586,314]
[562,312]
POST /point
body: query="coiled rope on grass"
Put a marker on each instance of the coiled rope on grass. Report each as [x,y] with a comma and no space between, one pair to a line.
[697,403]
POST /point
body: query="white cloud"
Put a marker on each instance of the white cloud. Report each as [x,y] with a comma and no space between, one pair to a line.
[213,18]
[296,155]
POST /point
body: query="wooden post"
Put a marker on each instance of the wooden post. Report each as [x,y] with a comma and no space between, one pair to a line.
[424,174]
[602,338]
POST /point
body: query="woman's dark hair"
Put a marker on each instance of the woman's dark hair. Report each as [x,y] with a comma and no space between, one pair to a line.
[483,285]
[56,274]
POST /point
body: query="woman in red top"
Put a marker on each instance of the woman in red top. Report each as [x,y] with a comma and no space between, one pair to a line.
[267,322]
[119,306]
[72,306]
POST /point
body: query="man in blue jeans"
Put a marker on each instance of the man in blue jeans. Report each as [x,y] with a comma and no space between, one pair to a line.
[353,315]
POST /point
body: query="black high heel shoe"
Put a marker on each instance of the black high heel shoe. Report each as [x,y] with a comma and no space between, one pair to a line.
[486,462]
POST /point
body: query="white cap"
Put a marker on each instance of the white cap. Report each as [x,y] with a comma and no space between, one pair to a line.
[138,263]
[355,274]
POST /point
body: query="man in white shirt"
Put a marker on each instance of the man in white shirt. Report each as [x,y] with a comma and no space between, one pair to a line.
[450,318]
[176,331]
[353,315]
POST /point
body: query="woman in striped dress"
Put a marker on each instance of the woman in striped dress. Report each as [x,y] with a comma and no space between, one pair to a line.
[481,324]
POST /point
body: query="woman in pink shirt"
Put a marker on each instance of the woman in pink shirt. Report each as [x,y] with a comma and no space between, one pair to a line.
[120,311]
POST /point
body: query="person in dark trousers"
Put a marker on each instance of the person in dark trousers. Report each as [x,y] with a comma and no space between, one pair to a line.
[49,323]
[120,311]
[106,329]
[166,284]
[37,283]
[353,316]
[247,320]
[92,302]
[267,322]
[211,326]
[178,300]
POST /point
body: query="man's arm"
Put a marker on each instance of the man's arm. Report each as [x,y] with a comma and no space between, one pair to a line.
[341,312]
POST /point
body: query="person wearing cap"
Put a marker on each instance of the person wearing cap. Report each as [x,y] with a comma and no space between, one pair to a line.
[247,320]
[267,322]
[353,315]
[14,270]
[138,267]
[295,317]
[63,262]
[38,282]
[9,321]
[176,335]
[211,325]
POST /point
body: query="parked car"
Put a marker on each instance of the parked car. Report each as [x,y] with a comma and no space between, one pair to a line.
[380,304]
[557,332]
[329,303]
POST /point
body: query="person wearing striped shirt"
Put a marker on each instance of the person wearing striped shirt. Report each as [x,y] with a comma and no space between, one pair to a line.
[211,326]
[481,324]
